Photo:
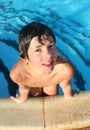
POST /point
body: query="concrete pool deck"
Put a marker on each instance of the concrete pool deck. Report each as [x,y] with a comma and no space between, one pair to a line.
[46,113]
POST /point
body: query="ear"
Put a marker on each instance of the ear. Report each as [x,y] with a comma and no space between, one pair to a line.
[26,60]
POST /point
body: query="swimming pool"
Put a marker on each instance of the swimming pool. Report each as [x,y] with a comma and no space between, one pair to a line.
[70,22]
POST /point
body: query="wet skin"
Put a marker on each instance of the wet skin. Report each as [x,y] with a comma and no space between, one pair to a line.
[42,71]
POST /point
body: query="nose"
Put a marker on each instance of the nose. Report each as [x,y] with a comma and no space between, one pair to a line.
[47,53]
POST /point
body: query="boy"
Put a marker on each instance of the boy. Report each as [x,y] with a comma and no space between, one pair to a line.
[40,68]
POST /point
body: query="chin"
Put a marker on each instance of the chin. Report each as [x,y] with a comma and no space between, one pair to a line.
[46,71]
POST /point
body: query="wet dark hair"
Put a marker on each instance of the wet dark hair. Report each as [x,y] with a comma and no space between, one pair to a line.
[28,32]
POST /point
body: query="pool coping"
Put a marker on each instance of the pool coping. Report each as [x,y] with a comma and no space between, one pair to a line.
[46,113]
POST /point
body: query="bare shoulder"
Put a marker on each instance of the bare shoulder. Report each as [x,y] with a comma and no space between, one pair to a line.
[63,65]
[16,73]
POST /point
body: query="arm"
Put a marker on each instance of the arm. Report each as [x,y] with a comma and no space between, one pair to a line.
[23,94]
[65,84]
[67,88]
[17,77]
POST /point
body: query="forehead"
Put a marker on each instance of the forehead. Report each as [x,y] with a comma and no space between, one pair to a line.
[44,39]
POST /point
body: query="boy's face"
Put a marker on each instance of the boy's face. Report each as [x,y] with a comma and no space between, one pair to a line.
[42,57]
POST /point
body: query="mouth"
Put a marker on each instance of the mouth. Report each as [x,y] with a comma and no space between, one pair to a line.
[49,65]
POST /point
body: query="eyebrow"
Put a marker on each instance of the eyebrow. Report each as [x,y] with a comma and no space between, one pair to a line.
[38,46]
[44,44]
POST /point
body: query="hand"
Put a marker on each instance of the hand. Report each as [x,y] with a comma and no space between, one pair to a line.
[18,98]
[74,93]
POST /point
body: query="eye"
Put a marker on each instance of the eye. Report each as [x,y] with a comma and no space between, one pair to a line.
[50,46]
[37,50]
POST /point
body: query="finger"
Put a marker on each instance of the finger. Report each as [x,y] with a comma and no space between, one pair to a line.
[16,100]
[17,95]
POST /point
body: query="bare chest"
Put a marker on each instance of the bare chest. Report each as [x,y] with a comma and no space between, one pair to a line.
[40,81]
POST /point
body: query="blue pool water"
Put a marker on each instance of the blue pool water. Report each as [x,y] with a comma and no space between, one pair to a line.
[68,19]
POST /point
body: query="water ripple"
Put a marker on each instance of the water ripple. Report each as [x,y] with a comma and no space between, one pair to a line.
[71,34]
